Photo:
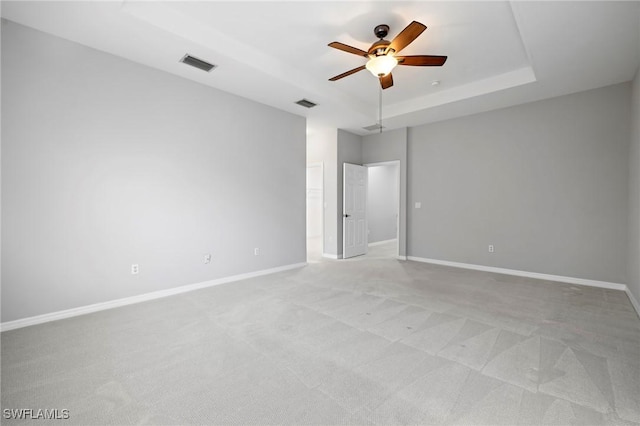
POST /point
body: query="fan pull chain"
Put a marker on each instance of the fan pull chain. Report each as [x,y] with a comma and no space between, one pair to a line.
[380,107]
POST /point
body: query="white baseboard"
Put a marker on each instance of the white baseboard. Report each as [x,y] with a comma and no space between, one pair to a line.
[68,313]
[401,257]
[332,256]
[633,300]
[558,278]
[379,243]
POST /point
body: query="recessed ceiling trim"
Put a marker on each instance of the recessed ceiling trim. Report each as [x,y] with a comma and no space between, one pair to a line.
[164,15]
[477,88]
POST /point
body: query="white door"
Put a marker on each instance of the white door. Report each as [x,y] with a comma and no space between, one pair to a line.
[354,211]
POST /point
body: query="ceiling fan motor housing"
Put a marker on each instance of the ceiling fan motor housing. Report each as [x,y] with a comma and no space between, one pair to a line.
[379,47]
[381,31]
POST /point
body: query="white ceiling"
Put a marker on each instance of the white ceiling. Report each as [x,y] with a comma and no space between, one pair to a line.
[500,53]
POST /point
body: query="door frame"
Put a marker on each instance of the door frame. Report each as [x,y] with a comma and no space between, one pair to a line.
[397,164]
[322,205]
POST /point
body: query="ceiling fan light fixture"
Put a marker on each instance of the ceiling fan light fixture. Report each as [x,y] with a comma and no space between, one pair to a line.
[380,66]
[381,54]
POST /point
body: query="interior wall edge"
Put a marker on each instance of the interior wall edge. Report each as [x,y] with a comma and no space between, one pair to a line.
[553,278]
[332,256]
[102,306]
[526,274]
[379,243]
[633,215]
[633,300]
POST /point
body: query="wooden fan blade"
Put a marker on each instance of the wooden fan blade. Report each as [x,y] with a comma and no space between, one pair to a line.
[406,36]
[422,60]
[348,49]
[344,74]
[386,81]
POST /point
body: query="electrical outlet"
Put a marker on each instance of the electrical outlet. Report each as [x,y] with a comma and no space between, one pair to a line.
[418,205]
[491,248]
[207,258]
[135,269]
[256,251]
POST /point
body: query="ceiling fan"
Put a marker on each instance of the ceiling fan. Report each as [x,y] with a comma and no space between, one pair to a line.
[382,54]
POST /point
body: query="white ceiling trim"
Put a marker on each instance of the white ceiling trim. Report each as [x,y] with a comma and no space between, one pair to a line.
[477,88]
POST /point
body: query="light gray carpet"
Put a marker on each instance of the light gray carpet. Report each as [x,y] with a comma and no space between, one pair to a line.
[364,341]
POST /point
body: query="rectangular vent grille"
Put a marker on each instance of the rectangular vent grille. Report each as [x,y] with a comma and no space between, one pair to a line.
[306,103]
[198,63]
[374,127]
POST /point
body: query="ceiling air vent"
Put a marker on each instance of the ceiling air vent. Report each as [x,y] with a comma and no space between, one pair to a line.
[306,103]
[198,63]
[374,127]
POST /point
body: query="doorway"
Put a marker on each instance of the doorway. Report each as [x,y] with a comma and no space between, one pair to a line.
[315,211]
[383,208]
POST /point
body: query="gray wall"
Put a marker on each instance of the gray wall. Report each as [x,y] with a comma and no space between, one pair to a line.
[349,151]
[1,25]
[388,146]
[382,203]
[545,182]
[106,163]
[634,193]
